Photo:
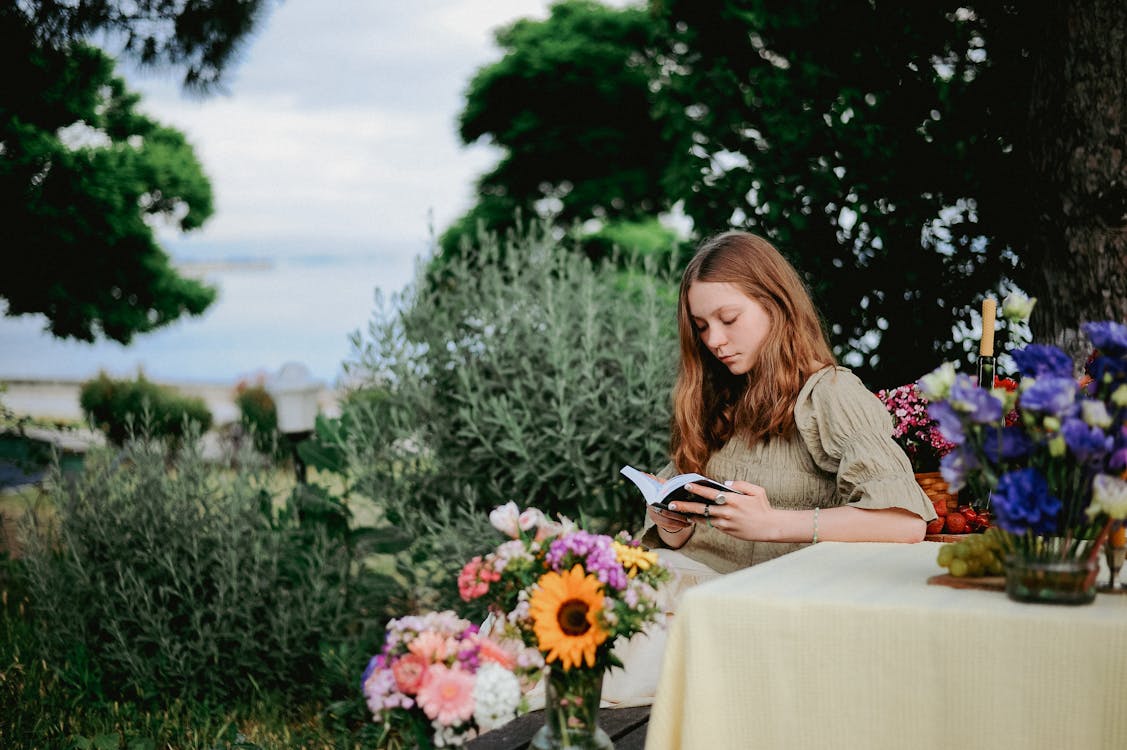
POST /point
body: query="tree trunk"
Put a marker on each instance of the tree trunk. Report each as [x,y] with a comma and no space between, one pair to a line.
[1078,146]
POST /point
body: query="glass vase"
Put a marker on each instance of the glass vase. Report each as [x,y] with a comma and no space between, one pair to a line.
[571,711]
[1070,581]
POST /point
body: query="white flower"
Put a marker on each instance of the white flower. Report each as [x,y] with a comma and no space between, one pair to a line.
[496,693]
[505,518]
[445,736]
[1109,495]
[1095,413]
[530,519]
[1017,307]
[936,385]
[1119,395]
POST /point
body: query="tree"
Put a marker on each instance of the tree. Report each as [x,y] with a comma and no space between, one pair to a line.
[920,156]
[569,104]
[84,177]
[201,36]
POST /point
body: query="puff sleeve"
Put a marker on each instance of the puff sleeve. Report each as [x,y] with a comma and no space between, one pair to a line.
[849,434]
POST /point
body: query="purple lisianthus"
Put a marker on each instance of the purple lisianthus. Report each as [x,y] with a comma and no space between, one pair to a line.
[1049,395]
[1040,360]
[1021,502]
[594,551]
[956,465]
[1106,370]
[1107,336]
[950,426]
[1005,444]
[1085,442]
[977,403]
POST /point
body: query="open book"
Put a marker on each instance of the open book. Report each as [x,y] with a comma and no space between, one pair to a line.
[661,493]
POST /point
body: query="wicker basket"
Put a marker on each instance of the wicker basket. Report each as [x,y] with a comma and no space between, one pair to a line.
[936,489]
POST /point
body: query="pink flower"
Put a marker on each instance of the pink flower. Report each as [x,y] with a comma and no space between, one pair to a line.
[409,671]
[447,695]
[490,651]
[475,578]
[431,646]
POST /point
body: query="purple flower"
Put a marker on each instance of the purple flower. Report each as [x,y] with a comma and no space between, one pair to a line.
[376,662]
[594,551]
[1005,444]
[950,426]
[1021,503]
[1086,443]
[1039,360]
[978,403]
[1108,336]
[1106,370]
[1049,395]
[956,465]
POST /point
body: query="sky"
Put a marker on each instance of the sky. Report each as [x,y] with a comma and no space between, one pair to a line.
[333,154]
[340,125]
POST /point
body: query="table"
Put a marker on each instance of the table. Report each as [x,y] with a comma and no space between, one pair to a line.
[846,645]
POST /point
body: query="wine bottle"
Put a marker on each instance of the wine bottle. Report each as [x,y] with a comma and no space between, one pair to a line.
[986,346]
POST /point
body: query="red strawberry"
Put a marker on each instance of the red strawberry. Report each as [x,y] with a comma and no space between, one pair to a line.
[940,507]
[936,526]
[956,523]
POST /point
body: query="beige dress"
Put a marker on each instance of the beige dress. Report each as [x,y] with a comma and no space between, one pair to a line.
[842,453]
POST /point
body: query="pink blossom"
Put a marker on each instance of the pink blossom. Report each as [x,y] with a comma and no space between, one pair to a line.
[447,695]
[431,646]
[410,670]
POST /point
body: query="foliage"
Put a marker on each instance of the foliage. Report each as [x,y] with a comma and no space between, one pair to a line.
[121,407]
[202,36]
[1054,478]
[530,373]
[83,177]
[164,578]
[258,416]
[568,104]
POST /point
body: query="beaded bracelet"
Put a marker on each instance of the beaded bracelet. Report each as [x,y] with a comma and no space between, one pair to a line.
[815,541]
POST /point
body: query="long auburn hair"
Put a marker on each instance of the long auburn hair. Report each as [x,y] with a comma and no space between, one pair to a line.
[710,405]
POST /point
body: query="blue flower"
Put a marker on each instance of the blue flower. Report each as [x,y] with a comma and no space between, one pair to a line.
[1085,442]
[1038,360]
[955,466]
[950,426]
[1107,370]
[1049,395]
[1021,502]
[1005,444]
[1109,337]
[977,403]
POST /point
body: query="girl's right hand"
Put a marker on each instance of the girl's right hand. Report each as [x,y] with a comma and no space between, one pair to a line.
[673,528]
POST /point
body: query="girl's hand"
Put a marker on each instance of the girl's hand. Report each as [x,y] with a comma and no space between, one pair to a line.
[673,528]
[744,512]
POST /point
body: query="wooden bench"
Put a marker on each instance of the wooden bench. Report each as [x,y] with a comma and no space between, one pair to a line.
[626,727]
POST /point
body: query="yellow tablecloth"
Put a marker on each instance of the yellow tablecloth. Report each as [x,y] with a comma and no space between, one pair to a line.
[847,646]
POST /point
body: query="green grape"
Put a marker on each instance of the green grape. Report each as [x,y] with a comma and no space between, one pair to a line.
[962,550]
[946,555]
[975,567]
[959,567]
[995,568]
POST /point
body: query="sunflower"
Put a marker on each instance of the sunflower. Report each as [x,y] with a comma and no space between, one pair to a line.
[564,610]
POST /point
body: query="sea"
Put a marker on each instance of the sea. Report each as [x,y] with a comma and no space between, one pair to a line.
[270,311]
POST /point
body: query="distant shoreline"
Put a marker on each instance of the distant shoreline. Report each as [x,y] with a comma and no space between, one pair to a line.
[57,398]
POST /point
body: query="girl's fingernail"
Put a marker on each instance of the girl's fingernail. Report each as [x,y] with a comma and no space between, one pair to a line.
[728,482]
[673,506]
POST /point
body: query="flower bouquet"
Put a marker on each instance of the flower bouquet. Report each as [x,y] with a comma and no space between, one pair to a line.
[913,428]
[438,681]
[1054,477]
[570,594]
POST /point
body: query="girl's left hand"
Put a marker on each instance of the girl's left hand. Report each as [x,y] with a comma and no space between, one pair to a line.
[744,513]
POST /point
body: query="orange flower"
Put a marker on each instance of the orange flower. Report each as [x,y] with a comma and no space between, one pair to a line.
[564,610]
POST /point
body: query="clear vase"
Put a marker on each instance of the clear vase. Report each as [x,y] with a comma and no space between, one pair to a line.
[571,711]
[1071,581]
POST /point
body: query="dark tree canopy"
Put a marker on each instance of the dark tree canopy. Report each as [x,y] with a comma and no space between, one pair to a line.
[84,176]
[909,158]
[201,36]
[569,105]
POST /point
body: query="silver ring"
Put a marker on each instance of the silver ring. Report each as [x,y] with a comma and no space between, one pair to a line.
[707,512]
[720,498]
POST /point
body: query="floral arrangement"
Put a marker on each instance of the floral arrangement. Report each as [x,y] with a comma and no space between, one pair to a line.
[1055,475]
[913,428]
[567,592]
[439,681]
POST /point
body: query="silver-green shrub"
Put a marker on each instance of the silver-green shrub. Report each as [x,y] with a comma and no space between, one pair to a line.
[521,371]
[164,576]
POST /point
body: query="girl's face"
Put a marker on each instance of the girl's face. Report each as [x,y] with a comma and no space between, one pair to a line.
[731,324]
